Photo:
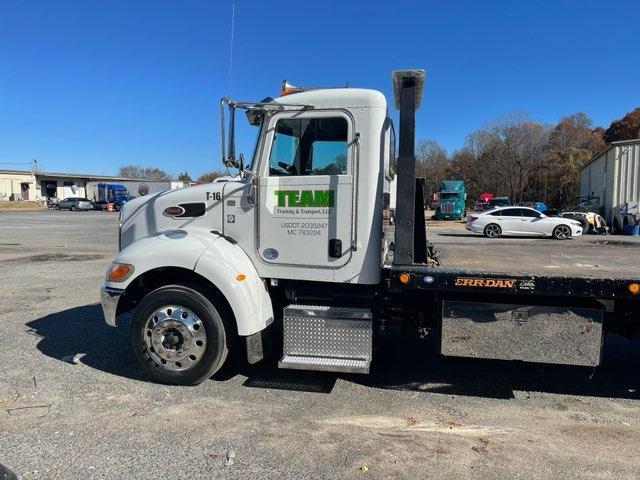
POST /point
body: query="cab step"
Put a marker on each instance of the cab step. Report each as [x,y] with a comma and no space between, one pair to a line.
[327,338]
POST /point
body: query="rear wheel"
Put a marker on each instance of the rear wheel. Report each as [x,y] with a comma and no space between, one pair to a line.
[178,336]
[73,208]
[562,232]
[492,230]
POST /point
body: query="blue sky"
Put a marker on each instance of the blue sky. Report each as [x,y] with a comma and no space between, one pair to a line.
[91,85]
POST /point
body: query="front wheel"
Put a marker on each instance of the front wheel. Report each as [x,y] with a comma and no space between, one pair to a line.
[73,208]
[178,336]
[492,230]
[562,232]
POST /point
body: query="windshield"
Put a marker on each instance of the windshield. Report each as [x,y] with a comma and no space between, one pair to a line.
[450,195]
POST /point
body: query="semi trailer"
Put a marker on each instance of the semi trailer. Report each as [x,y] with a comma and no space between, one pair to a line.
[295,257]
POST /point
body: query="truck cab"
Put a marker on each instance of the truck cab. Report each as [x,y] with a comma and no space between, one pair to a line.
[305,211]
[452,197]
[114,193]
[482,201]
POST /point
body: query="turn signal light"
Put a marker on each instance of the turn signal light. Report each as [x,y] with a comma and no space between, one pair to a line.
[240,277]
[118,272]
[404,278]
[634,288]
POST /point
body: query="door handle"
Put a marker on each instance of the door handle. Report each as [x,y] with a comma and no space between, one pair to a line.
[335,248]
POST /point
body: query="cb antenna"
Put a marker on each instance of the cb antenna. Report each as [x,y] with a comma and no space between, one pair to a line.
[233,18]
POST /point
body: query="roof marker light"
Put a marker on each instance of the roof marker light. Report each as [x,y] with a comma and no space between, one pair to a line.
[287,88]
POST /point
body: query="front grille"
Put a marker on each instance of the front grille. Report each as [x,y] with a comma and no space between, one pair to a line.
[446,207]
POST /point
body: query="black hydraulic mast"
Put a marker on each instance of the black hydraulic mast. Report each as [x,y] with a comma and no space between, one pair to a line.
[407,86]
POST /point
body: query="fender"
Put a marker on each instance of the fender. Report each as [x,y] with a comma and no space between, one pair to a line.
[229,268]
[214,258]
[171,248]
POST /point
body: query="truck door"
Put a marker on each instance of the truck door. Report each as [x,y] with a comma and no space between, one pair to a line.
[306,190]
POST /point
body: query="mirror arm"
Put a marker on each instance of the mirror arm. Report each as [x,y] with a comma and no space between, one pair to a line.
[223,101]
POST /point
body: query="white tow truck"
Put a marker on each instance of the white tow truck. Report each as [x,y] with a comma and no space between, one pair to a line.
[296,255]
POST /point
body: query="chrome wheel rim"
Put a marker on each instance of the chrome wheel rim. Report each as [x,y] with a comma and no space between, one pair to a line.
[493,230]
[562,232]
[174,338]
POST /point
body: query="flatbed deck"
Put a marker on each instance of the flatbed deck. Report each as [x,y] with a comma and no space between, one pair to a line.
[594,258]
[589,266]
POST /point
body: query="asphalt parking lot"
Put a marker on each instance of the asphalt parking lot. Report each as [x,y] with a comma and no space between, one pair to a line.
[72,403]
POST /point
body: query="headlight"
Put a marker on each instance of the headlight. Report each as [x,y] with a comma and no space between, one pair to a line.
[119,272]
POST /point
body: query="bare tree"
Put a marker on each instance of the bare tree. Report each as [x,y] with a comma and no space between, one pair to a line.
[432,164]
[143,173]
[209,177]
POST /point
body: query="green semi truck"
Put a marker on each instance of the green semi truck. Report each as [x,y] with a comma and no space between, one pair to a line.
[452,201]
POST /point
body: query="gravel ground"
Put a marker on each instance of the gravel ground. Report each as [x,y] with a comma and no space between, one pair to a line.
[72,403]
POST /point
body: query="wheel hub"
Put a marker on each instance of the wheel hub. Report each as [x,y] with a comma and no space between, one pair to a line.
[174,338]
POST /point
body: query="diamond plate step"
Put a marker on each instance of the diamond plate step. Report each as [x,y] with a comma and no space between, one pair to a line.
[325,364]
[327,338]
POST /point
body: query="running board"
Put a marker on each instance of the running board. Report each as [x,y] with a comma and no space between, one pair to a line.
[324,338]
[324,364]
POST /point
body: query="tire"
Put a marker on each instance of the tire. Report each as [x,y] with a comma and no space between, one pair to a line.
[492,230]
[562,232]
[616,226]
[73,208]
[117,207]
[57,207]
[187,350]
[584,223]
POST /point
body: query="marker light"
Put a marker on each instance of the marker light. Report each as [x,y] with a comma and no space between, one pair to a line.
[634,288]
[404,278]
[118,272]
[287,88]
[240,277]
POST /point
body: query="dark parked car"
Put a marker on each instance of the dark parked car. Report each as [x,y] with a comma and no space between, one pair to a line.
[496,202]
[74,203]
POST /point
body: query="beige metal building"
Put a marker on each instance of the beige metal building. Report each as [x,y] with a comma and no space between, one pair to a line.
[17,185]
[612,177]
[27,185]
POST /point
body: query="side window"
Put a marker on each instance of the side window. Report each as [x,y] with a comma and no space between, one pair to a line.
[497,213]
[309,146]
[529,213]
[511,212]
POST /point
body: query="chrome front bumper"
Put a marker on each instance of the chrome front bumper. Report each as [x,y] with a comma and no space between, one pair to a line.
[109,298]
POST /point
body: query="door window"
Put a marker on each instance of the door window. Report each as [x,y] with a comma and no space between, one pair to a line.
[530,213]
[309,146]
[511,212]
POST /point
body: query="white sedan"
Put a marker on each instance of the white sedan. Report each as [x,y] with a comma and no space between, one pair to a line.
[522,221]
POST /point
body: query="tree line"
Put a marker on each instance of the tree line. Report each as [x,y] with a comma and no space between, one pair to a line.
[524,159]
[154,173]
